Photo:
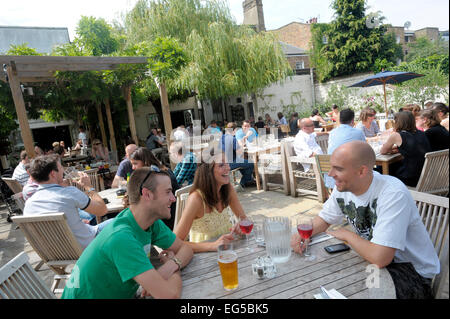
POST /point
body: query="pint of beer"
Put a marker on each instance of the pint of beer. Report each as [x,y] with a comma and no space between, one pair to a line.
[227,259]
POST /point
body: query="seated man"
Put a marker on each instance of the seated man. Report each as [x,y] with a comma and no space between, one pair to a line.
[213,129]
[388,229]
[233,156]
[305,145]
[52,197]
[117,261]
[20,173]
[344,133]
[125,167]
[186,164]
[246,133]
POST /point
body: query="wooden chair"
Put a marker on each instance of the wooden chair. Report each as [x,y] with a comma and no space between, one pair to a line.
[322,140]
[20,202]
[233,179]
[273,171]
[181,195]
[53,240]
[322,167]
[302,182]
[13,184]
[19,281]
[434,211]
[285,128]
[434,176]
[93,176]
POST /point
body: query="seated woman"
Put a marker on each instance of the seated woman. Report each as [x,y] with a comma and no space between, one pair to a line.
[415,110]
[211,207]
[412,144]
[144,157]
[334,114]
[78,145]
[437,134]
[442,111]
[368,124]
[317,119]
[99,152]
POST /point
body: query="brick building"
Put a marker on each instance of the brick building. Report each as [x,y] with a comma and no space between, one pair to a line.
[296,34]
[294,37]
[403,37]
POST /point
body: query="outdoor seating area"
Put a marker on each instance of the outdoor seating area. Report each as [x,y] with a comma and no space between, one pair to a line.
[287,185]
[145,158]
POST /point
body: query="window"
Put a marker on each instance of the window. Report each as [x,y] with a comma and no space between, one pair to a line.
[324,39]
[299,65]
[397,39]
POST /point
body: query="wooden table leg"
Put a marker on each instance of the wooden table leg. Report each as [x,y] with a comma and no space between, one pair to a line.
[255,165]
[385,168]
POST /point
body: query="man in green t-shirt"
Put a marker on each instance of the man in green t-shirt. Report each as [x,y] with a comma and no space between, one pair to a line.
[117,262]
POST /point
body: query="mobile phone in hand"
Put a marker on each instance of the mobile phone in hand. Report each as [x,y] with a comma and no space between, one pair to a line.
[332,249]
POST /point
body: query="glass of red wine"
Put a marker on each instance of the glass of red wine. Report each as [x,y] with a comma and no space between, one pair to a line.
[246,226]
[305,229]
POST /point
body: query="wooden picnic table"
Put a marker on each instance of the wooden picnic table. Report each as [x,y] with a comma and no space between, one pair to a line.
[384,160]
[299,279]
[115,204]
[254,153]
[71,159]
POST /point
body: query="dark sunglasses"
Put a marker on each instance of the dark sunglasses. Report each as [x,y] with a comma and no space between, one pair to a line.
[153,169]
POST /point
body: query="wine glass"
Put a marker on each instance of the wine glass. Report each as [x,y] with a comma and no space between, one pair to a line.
[246,226]
[305,229]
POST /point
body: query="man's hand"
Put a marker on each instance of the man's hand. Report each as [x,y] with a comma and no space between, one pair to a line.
[85,181]
[166,255]
[341,234]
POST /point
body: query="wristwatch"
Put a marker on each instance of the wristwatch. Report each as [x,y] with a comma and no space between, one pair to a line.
[177,261]
[92,189]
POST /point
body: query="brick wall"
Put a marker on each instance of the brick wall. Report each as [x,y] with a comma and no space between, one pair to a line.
[294,59]
[296,34]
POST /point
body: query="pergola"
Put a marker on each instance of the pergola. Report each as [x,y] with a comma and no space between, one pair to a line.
[26,69]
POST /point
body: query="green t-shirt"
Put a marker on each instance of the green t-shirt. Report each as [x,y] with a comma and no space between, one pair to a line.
[121,251]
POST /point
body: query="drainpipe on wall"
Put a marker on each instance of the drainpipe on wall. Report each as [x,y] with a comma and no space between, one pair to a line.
[313,92]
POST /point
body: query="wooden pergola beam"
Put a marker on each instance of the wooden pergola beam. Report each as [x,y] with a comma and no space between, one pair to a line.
[16,91]
[75,60]
[41,69]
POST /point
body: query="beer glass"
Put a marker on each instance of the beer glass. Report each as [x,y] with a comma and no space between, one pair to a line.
[227,259]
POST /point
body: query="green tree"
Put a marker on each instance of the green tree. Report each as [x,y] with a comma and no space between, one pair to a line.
[224,59]
[96,35]
[423,48]
[355,41]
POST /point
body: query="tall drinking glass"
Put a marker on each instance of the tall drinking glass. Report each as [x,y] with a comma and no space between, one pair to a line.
[246,226]
[305,229]
[227,260]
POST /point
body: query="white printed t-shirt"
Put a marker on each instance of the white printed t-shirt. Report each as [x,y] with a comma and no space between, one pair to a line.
[53,198]
[386,215]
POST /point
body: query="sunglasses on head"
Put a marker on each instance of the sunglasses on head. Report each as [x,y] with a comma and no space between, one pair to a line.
[153,169]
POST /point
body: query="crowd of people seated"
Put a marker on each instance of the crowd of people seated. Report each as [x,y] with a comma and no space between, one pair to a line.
[115,260]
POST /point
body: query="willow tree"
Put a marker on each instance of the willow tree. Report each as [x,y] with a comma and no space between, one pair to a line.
[224,59]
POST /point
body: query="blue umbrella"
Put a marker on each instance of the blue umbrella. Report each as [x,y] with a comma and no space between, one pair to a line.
[386,77]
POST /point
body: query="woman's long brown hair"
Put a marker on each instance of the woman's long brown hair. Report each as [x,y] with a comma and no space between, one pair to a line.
[146,156]
[205,181]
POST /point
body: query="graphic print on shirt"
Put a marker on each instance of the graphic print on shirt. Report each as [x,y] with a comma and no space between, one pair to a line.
[362,218]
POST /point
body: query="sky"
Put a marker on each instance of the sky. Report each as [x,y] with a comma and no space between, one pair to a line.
[277,13]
